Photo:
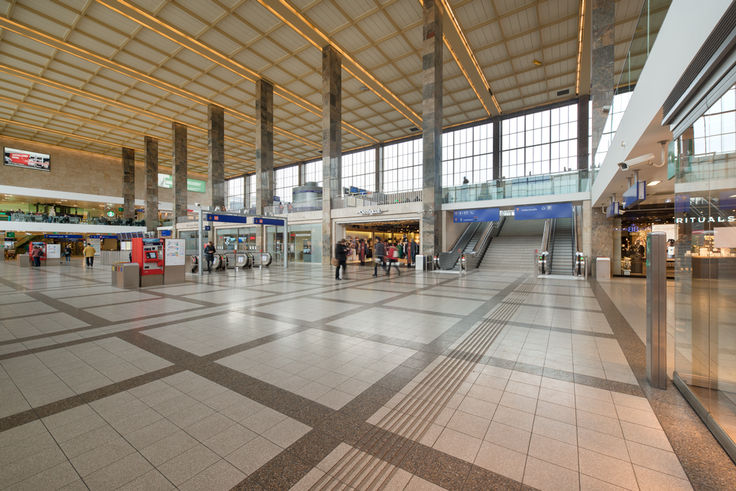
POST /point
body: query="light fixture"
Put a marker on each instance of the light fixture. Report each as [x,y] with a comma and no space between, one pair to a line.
[653,183]
[732,196]
[537,62]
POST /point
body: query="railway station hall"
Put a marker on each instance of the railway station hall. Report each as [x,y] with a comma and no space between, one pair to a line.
[413,245]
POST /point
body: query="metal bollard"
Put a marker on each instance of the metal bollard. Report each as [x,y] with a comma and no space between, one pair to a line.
[657,309]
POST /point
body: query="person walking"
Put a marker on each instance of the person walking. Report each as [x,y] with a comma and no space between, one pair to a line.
[341,254]
[392,257]
[209,255]
[36,256]
[67,253]
[361,251]
[89,255]
[379,252]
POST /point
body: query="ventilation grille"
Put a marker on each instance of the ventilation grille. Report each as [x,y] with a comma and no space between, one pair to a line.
[722,31]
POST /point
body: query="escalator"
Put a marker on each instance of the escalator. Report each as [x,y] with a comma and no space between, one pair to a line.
[561,247]
[471,245]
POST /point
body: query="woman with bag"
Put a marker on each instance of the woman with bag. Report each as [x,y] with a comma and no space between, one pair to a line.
[392,256]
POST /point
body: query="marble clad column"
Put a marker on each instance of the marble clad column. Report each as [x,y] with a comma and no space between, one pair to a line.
[128,183]
[264,145]
[216,164]
[497,171]
[331,142]
[583,132]
[601,77]
[432,47]
[151,146]
[179,177]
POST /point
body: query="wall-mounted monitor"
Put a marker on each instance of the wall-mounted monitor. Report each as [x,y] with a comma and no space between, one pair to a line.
[27,159]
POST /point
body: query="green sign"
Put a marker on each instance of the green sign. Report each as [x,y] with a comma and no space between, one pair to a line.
[10,235]
[193,185]
[112,213]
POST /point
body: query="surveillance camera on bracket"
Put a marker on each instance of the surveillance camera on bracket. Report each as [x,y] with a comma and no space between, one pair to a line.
[636,161]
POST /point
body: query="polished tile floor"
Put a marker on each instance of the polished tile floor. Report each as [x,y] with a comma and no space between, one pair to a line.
[272,380]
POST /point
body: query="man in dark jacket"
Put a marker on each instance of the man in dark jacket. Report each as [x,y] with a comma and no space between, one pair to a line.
[341,254]
[209,254]
[379,254]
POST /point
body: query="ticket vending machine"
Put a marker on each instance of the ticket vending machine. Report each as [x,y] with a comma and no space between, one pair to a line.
[149,254]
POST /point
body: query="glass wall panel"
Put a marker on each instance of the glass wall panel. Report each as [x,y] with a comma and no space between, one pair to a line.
[467,153]
[402,166]
[705,266]
[359,170]
[285,179]
[313,172]
[235,194]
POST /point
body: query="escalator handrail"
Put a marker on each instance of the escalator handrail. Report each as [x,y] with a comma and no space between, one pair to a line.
[482,246]
[449,259]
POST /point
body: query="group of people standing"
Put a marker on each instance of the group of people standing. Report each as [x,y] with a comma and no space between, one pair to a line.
[384,253]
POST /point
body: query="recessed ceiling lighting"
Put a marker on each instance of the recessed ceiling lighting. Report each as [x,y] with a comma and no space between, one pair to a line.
[733,196]
[537,62]
[653,183]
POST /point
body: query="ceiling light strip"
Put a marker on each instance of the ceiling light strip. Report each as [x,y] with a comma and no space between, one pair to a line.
[471,55]
[581,26]
[358,71]
[222,61]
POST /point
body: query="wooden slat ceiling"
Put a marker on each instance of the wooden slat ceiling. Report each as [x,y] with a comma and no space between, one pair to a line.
[96,75]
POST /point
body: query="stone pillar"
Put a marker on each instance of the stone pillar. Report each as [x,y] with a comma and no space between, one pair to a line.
[497,171]
[151,146]
[216,164]
[583,132]
[179,174]
[432,48]
[331,142]
[601,81]
[128,182]
[264,145]
[379,168]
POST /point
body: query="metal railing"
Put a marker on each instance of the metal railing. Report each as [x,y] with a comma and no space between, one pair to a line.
[287,208]
[519,187]
[473,259]
[544,257]
[376,199]
[449,259]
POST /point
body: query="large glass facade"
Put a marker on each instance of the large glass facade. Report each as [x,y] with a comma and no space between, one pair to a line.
[618,108]
[285,179]
[402,166]
[467,154]
[235,193]
[544,142]
[359,170]
[313,171]
[705,267]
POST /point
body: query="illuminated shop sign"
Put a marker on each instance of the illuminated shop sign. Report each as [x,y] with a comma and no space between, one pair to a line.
[370,211]
[708,219]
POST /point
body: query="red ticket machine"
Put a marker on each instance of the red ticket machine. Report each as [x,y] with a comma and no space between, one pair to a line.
[149,254]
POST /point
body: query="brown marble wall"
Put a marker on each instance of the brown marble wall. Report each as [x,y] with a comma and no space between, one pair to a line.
[583,132]
[601,79]
[151,166]
[216,164]
[432,50]
[264,145]
[331,142]
[128,158]
[179,176]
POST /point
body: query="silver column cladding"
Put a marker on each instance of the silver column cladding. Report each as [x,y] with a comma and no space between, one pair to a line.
[657,309]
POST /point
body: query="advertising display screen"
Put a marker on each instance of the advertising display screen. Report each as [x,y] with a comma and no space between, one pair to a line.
[24,158]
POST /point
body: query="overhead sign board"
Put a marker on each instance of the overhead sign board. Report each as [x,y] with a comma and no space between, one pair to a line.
[537,212]
[635,194]
[268,221]
[219,217]
[99,236]
[476,215]
[194,185]
[62,236]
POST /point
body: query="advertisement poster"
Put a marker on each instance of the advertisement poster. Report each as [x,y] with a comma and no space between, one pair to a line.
[174,252]
[24,158]
[97,244]
[53,251]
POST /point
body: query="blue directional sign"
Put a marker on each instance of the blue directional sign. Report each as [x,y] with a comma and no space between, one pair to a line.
[635,194]
[62,236]
[268,221]
[165,233]
[218,217]
[536,212]
[98,236]
[476,215]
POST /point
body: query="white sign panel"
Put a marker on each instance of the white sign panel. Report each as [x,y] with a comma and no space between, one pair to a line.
[724,237]
[97,244]
[53,251]
[174,252]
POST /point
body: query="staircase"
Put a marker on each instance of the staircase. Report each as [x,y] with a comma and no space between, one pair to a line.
[513,249]
[562,245]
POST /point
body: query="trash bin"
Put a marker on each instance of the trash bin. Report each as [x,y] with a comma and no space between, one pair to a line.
[602,268]
[421,264]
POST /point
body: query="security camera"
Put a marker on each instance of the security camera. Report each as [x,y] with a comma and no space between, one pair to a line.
[198,205]
[636,161]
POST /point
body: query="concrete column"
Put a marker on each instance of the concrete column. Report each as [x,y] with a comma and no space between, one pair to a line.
[128,182]
[432,48]
[216,164]
[583,132]
[179,177]
[151,145]
[601,81]
[331,142]
[497,126]
[264,145]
